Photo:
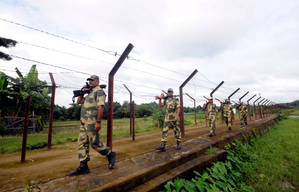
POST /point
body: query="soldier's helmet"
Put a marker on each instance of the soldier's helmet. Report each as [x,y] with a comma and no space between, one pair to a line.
[210,98]
[226,101]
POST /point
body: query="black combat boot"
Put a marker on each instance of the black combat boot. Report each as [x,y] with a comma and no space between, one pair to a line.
[178,146]
[82,169]
[162,147]
[111,159]
[241,125]
[212,134]
[245,124]
[229,129]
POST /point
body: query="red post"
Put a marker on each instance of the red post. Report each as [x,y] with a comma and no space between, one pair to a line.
[110,93]
[182,103]
[259,107]
[206,113]
[51,111]
[131,120]
[255,107]
[249,106]
[25,131]
[194,106]
[233,115]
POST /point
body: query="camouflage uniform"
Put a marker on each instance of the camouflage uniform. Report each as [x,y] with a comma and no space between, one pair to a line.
[227,114]
[171,110]
[243,113]
[211,114]
[88,136]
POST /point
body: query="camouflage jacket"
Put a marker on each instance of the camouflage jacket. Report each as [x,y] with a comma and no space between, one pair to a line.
[227,110]
[243,110]
[210,109]
[90,105]
[172,106]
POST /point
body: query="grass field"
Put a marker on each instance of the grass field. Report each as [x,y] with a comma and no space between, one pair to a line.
[68,131]
[277,165]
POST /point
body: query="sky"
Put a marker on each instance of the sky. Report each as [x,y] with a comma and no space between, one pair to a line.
[251,45]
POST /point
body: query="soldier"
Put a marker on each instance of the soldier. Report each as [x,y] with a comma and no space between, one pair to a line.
[91,114]
[211,112]
[173,108]
[243,113]
[227,114]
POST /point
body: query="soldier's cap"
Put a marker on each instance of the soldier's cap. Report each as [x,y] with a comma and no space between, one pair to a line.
[93,78]
[226,100]
[170,90]
[210,98]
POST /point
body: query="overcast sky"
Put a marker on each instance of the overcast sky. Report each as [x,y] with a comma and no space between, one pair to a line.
[251,45]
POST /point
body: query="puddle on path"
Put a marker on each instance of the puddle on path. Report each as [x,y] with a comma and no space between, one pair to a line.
[294,116]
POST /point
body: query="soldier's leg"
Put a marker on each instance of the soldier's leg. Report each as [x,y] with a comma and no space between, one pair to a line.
[177,135]
[164,136]
[242,119]
[225,120]
[229,124]
[100,147]
[245,120]
[213,123]
[83,145]
[83,153]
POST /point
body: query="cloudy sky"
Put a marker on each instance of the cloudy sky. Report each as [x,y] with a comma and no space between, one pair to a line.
[251,45]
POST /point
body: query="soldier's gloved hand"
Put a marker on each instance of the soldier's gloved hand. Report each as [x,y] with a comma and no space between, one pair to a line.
[97,126]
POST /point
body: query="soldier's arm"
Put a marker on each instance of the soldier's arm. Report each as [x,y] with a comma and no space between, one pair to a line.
[178,114]
[79,100]
[101,105]
[160,103]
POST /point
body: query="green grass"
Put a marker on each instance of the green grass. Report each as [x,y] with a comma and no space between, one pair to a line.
[278,158]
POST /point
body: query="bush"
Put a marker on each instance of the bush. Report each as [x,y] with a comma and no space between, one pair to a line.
[61,118]
[36,145]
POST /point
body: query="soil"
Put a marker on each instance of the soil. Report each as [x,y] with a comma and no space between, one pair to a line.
[43,165]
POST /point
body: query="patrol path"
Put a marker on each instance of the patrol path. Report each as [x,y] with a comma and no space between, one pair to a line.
[140,167]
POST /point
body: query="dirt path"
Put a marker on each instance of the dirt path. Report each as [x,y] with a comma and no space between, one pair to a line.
[43,165]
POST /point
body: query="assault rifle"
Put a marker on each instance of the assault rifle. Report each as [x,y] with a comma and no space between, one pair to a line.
[81,93]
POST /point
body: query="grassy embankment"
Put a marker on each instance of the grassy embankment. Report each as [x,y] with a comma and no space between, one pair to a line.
[67,131]
[277,165]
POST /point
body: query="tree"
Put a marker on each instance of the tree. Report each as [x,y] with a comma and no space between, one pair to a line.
[7,43]
[159,116]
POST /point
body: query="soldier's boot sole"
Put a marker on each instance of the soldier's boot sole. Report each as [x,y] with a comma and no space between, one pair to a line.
[76,172]
[161,149]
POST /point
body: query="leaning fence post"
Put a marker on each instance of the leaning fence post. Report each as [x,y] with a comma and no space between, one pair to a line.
[249,107]
[51,111]
[131,121]
[182,128]
[233,115]
[194,106]
[24,143]
[110,93]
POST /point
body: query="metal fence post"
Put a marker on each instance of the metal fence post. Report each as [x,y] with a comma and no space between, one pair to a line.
[182,128]
[25,131]
[110,93]
[51,111]
[194,106]
[255,107]
[259,108]
[249,107]
[131,120]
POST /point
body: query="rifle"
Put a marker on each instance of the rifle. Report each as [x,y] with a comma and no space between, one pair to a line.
[81,93]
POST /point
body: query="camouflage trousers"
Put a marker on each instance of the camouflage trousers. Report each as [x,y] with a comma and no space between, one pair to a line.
[211,120]
[243,119]
[90,138]
[228,121]
[171,125]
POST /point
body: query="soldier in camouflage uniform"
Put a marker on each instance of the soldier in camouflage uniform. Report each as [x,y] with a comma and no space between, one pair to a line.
[243,113]
[91,114]
[227,114]
[171,118]
[211,112]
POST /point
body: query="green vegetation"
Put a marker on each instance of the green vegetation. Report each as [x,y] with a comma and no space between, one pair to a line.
[211,150]
[222,176]
[276,168]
